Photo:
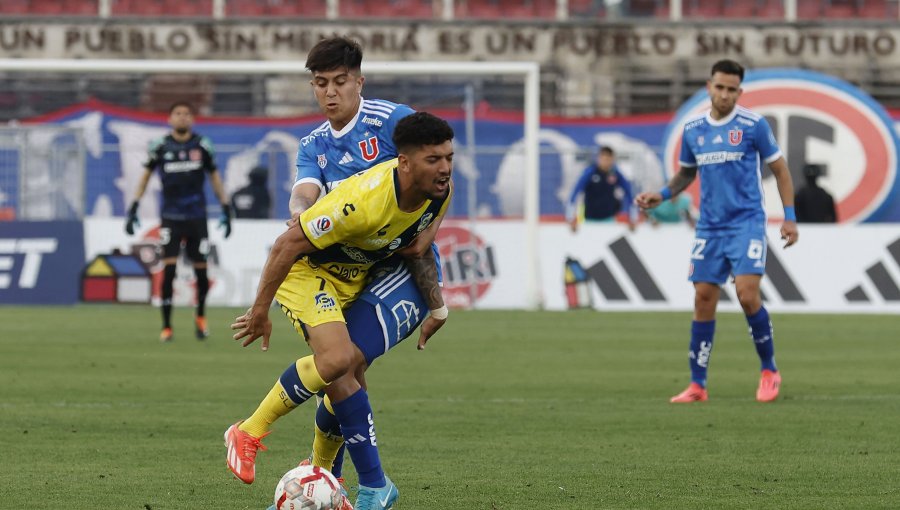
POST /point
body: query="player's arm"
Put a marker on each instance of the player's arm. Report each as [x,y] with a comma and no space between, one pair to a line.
[678,183]
[255,323]
[782,175]
[132,219]
[420,260]
[572,204]
[303,196]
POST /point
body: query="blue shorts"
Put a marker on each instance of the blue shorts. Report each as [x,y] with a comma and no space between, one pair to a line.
[715,256]
[388,311]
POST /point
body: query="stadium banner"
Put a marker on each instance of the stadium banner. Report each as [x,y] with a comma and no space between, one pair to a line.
[851,135]
[40,262]
[574,47]
[833,269]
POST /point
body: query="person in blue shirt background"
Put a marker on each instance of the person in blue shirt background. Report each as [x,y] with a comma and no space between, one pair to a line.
[726,146]
[605,191]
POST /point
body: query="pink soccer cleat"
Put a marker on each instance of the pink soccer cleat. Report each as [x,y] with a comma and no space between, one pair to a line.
[769,383]
[693,393]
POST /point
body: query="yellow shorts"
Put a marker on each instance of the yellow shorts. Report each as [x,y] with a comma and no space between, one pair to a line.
[311,295]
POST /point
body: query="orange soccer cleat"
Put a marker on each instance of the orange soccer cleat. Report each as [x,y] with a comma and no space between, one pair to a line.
[769,383]
[345,501]
[166,335]
[693,393]
[241,455]
[200,328]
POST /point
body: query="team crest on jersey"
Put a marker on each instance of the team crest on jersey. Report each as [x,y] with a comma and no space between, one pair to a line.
[424,222]
[168,155]
[368,148]
[324,302]
[320,226]
[195,155]
[735,136]
[322,161]
[701,140]
[181,155]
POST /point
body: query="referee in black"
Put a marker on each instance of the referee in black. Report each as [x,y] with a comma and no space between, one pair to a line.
[183,159]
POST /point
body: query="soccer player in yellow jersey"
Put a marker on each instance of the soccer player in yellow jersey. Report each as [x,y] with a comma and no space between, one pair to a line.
[318,267]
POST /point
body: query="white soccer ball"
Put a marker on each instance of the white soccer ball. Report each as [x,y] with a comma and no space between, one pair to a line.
[308,488]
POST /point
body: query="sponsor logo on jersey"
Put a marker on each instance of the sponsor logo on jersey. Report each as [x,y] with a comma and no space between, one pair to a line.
[181,166]
[356,254]
[370,121]
[424,222]
[735,136]
[346,159]
[368,148]
[324,302]
[394,244]
[711,158]
[320,226]
[195,155]
[717,139]
[320,159]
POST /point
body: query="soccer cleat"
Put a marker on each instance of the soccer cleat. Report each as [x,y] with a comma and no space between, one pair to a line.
[345,501]
[693,393]
[381,498]
[769,382]
[200,328]
[241,455]
[166,335]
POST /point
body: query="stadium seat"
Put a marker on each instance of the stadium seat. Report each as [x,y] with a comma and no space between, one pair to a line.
[586,9]
[809,9]
[739,9]
[402,9]
[81,7]
[840,9]
[770,9]
[198,8]
[702,9]
[643,7]
[14,7]
[354,8]
[48,8]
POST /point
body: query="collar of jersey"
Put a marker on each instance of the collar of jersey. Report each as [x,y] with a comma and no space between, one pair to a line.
[350,125]
[720,122]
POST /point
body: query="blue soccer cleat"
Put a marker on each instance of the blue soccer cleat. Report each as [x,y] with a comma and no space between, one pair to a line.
[381,498]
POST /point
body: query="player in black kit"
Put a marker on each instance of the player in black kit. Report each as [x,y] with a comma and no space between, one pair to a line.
[184,159]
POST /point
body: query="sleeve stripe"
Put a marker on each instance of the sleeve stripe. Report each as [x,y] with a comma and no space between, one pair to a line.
[688,165]
[773,157]
[311,180]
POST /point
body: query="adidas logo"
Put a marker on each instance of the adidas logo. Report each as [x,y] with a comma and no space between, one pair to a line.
[777,278]
[346,159]
[879,277]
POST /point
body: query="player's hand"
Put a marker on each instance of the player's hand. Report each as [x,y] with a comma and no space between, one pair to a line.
[252,325]
[789,233]
[430,326]
[648,200]
[132,220]
[225,220]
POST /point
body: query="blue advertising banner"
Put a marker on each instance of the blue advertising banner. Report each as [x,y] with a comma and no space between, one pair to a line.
[817,118]
[40,262]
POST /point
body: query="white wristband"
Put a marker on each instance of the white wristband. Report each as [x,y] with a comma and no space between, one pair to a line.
[441,313]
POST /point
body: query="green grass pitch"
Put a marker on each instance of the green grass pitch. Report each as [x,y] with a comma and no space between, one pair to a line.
[503,411]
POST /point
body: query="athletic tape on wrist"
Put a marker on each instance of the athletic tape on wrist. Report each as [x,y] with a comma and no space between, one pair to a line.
[440,313]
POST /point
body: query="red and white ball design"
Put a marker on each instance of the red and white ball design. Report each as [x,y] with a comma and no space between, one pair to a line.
[308,488]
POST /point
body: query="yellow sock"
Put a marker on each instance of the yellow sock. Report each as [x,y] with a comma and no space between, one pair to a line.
[302,380]
[326,445]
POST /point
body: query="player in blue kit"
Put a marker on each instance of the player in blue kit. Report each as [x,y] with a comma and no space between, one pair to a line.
[184,160]
[727,146]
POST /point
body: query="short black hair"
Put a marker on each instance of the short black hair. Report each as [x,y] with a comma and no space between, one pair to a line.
[727,66]
[333,53]
[186,104]
[421,129]
[606,149]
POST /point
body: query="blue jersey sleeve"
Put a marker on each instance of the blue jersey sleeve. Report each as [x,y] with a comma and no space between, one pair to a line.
[399,112]
[308,169]
[765,142]
[577,190]
[686,158]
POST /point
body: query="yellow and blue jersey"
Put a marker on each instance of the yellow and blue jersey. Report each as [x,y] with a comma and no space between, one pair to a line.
[353,227]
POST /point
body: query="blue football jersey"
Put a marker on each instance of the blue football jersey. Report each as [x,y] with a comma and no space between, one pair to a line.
[327,157]
[729,153]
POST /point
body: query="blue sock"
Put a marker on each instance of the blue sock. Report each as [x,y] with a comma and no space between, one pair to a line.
[761,332]
[355,416]
[701,347]
[328,422]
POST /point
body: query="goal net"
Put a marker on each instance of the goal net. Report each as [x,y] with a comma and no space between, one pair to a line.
[255,112]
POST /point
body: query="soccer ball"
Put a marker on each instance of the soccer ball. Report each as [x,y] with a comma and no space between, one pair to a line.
[308,488]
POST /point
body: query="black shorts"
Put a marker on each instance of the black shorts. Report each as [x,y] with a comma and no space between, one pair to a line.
[193,233]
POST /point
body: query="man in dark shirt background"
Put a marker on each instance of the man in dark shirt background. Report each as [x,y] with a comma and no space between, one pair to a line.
[814,204]
[183,159]
[253,200]
[606,192]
